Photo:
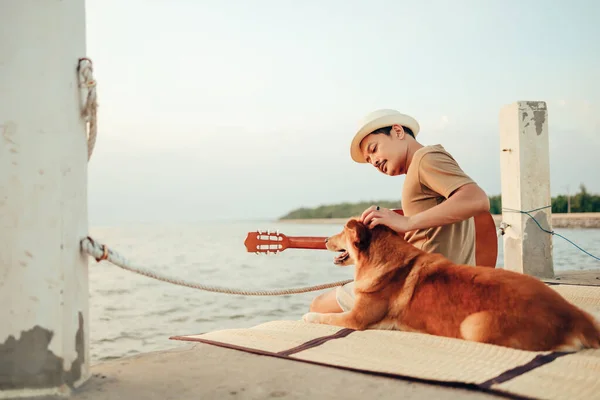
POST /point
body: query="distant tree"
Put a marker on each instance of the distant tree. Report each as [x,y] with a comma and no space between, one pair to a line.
[584,201]
[496,204]
[341,210]
[560,204]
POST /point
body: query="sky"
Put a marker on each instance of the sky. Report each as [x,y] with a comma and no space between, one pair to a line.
[244,110]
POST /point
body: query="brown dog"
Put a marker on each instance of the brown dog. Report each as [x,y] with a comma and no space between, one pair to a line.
[398,286]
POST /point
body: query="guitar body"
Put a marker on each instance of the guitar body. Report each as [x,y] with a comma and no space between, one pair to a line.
[486,241]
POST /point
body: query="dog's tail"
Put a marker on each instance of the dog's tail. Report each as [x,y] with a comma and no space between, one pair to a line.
[584,335]
[590,332]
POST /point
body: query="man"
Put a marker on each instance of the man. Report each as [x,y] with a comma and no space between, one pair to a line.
[438,198]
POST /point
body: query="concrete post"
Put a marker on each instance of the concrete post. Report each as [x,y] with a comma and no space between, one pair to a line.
[525,177]
[44,336]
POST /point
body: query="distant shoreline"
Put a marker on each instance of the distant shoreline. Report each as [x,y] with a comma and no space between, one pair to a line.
[572,220]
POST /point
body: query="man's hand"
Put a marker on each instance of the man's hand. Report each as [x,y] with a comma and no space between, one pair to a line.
[374,216]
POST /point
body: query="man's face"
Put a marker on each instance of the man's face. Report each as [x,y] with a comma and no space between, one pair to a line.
[387,153]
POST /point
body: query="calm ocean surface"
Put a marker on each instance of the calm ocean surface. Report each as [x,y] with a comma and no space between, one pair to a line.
[131,313]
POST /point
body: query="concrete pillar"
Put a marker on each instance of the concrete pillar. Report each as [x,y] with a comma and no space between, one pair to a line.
[44,335]
[525,177]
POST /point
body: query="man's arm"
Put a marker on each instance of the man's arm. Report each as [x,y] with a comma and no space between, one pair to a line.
[440,173]
[465,202]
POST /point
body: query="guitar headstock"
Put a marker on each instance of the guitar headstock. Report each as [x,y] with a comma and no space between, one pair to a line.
[266,242]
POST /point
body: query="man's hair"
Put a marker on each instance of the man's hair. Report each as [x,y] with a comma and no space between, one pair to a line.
[386,131]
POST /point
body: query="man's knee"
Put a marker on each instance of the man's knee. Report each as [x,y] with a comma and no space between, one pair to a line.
[325,303]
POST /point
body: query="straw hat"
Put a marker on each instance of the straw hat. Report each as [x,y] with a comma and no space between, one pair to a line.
[379,119]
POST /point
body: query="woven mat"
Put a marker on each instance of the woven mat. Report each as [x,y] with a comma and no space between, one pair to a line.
[427,358]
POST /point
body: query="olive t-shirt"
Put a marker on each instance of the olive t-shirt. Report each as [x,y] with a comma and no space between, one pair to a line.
[431,178]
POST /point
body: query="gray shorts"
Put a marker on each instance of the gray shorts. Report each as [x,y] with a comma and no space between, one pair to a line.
[345,296]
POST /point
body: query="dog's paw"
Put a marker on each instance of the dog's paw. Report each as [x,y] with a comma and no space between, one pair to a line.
[311,317]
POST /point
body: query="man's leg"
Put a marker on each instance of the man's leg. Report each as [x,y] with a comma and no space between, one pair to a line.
[367,311]
[335,301]
[325,303]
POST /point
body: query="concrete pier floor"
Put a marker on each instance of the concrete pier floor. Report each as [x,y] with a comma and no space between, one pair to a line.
[202,371]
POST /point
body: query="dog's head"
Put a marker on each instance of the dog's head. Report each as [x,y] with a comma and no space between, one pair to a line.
[357,243]
[352,242]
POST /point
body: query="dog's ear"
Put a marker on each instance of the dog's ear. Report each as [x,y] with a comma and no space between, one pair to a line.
[359,234]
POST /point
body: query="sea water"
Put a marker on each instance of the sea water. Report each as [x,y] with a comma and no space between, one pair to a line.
[131,313]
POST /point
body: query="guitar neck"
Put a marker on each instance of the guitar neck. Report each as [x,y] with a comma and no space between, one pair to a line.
[307,242]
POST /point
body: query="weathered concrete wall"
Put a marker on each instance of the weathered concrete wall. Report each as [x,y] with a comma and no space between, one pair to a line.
[525,178]
[43,199]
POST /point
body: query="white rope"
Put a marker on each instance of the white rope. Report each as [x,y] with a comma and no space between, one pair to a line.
[89,107]
[101,252]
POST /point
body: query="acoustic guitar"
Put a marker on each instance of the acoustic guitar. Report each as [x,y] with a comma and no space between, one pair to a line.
[486,241]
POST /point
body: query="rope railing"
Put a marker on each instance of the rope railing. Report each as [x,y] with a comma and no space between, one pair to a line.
[89,106]
[101,252]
